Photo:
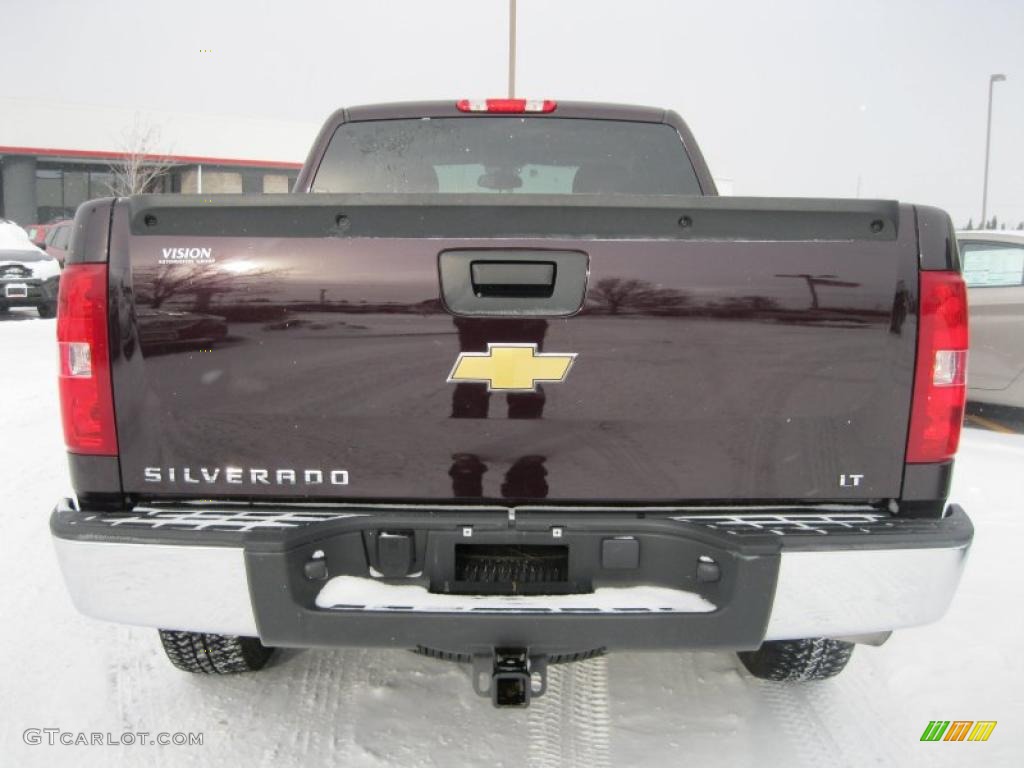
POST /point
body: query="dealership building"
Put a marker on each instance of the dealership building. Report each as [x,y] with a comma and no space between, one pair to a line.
[54,157]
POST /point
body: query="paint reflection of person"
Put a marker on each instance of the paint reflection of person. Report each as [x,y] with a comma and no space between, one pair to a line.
[900,309]
[526,478]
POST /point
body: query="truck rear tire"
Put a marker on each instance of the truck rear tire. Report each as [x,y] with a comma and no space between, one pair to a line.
[47,310]
[814,658]
[214,654]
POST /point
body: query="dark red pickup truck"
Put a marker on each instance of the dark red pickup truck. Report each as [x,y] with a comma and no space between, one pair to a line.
[507,383]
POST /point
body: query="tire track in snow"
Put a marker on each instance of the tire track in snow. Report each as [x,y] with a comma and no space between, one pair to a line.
[353,663]
[131,667]
[327,693]
[803,730]
[595,693]
[569,724]
[315,695]
[545,724]
[833,701]
[815,719]
[318,679]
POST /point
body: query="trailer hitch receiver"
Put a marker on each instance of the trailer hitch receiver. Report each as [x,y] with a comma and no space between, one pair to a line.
[510,677]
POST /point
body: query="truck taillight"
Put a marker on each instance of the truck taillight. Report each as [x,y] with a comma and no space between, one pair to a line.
[940,379]
[86,397]
[507,106]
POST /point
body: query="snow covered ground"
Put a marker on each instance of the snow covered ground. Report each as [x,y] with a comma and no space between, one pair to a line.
[383,708]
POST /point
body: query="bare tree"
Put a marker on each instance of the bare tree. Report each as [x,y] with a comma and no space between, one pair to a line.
[201,281]
[141,163]
[614,295]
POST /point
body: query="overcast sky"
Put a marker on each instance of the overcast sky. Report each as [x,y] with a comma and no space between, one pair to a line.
[788,97]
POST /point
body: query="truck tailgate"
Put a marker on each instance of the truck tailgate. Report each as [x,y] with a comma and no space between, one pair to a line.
[768,357]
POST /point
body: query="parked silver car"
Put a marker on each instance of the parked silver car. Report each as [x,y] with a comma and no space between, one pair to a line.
[994,272]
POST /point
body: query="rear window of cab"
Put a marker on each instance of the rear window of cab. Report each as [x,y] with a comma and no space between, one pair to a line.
[509,155]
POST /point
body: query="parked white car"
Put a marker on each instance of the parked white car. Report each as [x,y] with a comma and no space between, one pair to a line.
[29,276]
[993,263]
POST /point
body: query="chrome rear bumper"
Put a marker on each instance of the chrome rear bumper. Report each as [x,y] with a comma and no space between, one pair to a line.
[785,574]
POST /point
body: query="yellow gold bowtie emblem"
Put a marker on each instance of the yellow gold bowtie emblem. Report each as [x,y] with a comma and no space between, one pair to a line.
[511,367]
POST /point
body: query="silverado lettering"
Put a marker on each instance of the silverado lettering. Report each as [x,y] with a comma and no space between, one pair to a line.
[238,475]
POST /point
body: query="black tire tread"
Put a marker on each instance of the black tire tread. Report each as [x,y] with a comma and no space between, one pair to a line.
[211,654]
[813,658]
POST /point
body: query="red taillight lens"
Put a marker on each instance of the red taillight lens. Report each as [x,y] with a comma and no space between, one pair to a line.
[940,380]
[86,398]
[507,106]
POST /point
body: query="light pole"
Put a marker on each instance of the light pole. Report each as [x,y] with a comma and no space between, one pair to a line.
[992,80]
[511,48]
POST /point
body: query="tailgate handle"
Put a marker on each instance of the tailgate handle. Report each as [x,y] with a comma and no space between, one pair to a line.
[513,281]
[523,279]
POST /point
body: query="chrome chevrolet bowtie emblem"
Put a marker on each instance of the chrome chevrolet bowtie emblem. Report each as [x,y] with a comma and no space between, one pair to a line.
[511,367]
